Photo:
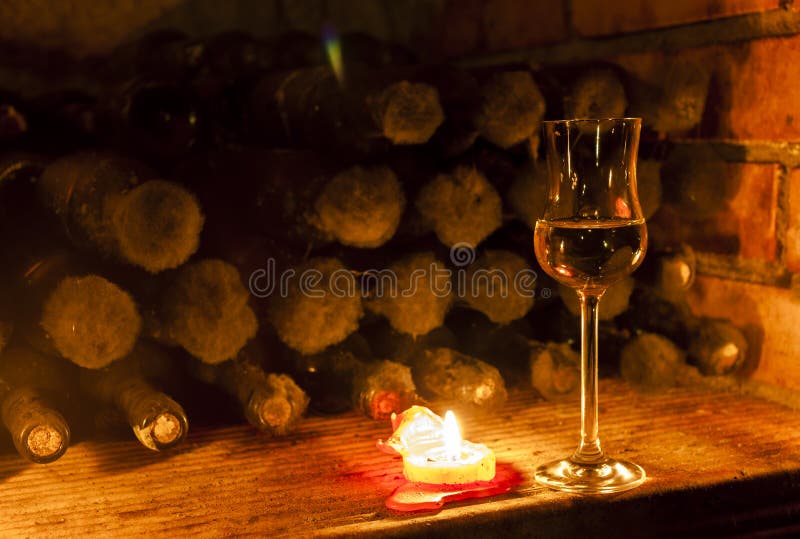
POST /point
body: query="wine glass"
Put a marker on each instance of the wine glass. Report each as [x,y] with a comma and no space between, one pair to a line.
[592,234]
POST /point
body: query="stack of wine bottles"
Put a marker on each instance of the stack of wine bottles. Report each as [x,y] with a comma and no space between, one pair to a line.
[232,226]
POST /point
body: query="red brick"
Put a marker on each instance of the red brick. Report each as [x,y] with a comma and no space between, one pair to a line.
[757,91]
[792,247]
[767,315]
[599,18]
[513,24]
[753,210]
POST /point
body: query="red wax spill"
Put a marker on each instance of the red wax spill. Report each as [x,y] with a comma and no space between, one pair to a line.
[427,497]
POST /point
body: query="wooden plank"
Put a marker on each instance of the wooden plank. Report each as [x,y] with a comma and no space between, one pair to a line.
[741,453]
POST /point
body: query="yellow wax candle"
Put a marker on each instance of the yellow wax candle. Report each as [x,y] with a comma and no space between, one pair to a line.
[455,462]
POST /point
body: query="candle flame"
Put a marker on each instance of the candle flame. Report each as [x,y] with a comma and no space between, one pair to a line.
[452,436]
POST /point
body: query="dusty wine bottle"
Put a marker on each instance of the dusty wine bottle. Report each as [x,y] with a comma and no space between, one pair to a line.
[105,205]
[446,374]
[675,272]
[275,190]
[511,110]
[669,272]
[527,194]
[701,183]
[345,377]
[157,421]
[360,206]
[462,207]
[156,120]
[672,97]
[327,377]
[402,347]
[652,362]
[555,369]
[271,402]
[329,303]
[651,313]
[597,93]
[504,346]
[292,196]
[717,347]
[67,310]
[415,303]
[494,286]
[203,308]
[39,432]
[63,306]
[31,385]
[365,112]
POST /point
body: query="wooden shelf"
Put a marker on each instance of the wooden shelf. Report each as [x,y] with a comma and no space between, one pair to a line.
[714,461]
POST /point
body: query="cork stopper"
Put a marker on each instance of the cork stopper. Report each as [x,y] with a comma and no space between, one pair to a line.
[383,388]
[274,403]
[45,443]
[166,430]
[274,412]
[384,404]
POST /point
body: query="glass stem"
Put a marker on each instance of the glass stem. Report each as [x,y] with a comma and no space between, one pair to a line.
[589,451]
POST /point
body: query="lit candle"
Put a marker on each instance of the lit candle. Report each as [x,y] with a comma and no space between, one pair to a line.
[434,452]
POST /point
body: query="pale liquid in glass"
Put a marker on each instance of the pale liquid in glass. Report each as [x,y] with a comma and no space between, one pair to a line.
[590,254]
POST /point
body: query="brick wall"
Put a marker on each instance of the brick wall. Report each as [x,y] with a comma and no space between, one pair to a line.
[749,253]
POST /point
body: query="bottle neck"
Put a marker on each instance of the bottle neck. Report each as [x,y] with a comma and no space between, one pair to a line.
[40,433]
[158,422]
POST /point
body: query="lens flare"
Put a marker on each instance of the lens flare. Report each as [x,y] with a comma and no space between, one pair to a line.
[333,49]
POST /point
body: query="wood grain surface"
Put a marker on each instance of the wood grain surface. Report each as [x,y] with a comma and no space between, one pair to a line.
[714,462]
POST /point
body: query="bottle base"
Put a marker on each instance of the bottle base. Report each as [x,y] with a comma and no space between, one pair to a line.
[603,477]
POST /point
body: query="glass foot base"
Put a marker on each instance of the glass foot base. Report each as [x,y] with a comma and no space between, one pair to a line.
[603,477]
